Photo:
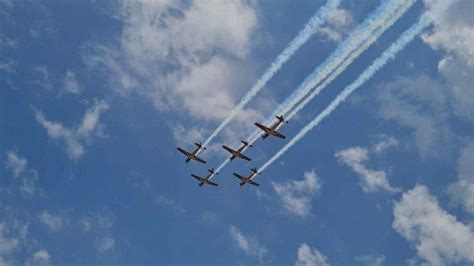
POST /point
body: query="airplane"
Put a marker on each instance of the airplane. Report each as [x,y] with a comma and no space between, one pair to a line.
[205,180]
[193,155]
[248,179]
[238,153]
[272,130]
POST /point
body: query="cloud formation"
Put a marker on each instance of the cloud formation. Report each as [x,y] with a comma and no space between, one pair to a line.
[296,195]
[28,177]
[371,180]
[53,222]
[339,24]
[439,238]
[308,256]
[462,191]
[188,57]
[247,244]
[77,138]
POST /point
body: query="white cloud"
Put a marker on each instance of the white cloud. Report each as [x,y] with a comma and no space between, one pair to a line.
[40,258]
[15,163]
[462,191]
[70,83]
[340,22]
[13,236]
[105,244]
[384,142]
[453,28]
[371,260]
[76,139]
[408,102]
[8,66]
[247,244]
[170,203]
[308,256]
[437,236]
[188,57]
[54,222]
[18,166]
[296,195]
[371,180]
[44,79]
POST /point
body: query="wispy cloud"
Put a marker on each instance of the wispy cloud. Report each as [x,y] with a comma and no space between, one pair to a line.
[39,258]
[462,191]
[384,142]
[249,245]
[340,22]
[77,138]
[53,222]
[439,238]
[296,195]
[308,256]
[170,203]
[371,180]
[70,83]
[27,176]
[105,244]
[371,260]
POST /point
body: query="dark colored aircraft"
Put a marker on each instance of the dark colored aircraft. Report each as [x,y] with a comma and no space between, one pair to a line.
[238,153]
[248,179]
[193,155]
[205,180]
[272,130]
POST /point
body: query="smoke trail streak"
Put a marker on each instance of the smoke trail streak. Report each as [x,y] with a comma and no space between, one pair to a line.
[351,58]
[355,44]
[303,36]
[387,55]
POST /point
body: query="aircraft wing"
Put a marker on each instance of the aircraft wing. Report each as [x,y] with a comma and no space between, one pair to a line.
[200,160]
[245,157]
[254,183]
[278,134]
[239,176]
[228,149]
[196,177]
[262,127]
[183,152]
[212,183]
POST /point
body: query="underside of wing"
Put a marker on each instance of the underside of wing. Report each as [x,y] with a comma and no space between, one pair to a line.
[196,177]
[262,127]
[279,135]
[212,183]
[254,183]
[200,160]
[183,152]
[239,176]
[245,157]
[228,149]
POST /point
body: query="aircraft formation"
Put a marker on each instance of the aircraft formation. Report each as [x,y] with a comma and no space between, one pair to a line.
[271,130]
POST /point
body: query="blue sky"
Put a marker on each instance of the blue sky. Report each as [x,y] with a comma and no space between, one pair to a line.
[97,95]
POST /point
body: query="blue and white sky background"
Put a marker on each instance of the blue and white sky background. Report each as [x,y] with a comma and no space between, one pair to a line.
[95,96]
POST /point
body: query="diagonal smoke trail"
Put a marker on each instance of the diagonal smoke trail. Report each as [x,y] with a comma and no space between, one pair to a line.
[388,54]
[356,43]
[303,36]
[374,36]
[359,41]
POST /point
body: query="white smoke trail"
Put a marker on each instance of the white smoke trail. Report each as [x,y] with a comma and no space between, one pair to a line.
[373,37]
[388,54]
[358,41]
[303,36]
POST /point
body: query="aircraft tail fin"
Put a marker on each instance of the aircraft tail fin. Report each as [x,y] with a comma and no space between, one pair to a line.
[246,143]
[282,119]
[199,145]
